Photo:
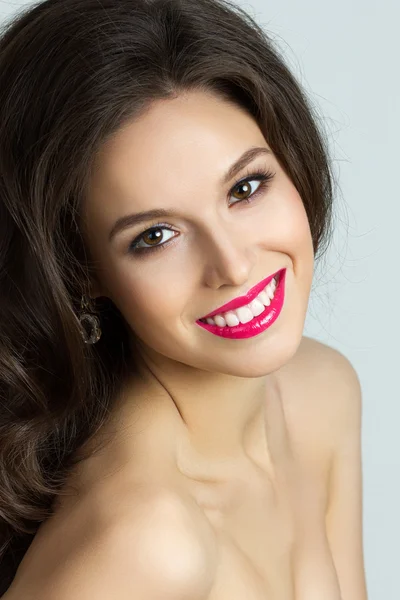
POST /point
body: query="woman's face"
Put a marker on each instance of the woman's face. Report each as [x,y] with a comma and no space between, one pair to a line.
[211,245]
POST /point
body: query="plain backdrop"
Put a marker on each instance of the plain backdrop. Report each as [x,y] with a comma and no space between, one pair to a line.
[346,55]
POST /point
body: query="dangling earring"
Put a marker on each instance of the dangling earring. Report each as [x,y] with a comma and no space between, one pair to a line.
[93,321]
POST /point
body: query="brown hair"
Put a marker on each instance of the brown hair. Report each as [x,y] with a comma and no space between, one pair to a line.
[72,72]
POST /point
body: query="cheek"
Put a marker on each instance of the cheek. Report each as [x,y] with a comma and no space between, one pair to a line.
[146,300]
[291,217]
[302,243]
[285,227]
[288,231]
[151,297]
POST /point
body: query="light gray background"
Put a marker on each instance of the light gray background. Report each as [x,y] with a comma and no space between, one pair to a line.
[346,56]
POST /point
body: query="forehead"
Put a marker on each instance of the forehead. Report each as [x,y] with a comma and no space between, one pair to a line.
[171,131]
[177,146]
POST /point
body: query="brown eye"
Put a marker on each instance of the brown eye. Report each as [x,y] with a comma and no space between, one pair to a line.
[153,236]
[244,188]
[263,177]
[245,185]
[149,240]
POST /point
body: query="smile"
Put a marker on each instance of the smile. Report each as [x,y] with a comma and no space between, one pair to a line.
[249,315]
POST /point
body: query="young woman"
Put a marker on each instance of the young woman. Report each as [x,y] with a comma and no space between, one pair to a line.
[166,430]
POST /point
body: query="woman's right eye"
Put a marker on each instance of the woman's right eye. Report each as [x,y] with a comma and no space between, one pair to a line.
[262,176]
[151,237]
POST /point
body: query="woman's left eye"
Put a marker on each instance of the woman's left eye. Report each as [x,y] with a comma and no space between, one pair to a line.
[263,177]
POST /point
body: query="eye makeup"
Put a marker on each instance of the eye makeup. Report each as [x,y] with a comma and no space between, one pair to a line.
[264,176]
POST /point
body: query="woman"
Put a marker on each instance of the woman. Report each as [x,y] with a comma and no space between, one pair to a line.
[166,429]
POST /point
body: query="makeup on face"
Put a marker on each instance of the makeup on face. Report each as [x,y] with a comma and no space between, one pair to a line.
[249,315]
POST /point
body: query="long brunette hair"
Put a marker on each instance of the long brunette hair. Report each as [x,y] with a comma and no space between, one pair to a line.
[72,72]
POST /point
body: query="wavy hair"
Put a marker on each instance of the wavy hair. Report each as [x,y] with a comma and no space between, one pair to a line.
[72,72]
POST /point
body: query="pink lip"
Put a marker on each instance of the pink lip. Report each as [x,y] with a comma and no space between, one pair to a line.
[258,324]
[246,299]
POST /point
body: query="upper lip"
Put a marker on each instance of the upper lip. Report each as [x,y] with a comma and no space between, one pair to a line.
[246,299]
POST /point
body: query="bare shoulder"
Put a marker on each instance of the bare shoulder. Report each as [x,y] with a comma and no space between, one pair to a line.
[336,382]
[329,425]
[148,551]
[322,397]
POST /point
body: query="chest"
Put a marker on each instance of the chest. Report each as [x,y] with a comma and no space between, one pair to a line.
[270,539]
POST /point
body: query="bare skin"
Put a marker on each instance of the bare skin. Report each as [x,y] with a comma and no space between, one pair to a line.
[232,469]
[260,536]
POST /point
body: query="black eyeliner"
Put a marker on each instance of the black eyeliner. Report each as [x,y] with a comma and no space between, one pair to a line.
[262,175]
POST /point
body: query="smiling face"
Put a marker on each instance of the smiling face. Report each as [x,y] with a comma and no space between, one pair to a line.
[215,241]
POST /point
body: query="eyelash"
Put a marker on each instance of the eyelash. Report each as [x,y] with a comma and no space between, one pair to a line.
[264,176]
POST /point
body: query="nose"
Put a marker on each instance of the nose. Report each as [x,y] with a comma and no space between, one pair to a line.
[229,260]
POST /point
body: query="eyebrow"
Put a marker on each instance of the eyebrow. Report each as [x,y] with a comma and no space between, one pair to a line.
[140,217]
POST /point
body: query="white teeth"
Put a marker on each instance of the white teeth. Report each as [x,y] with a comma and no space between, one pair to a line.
[231,319]
[256,307]
[264,298]
[270,292]
[244,314]
[219,320]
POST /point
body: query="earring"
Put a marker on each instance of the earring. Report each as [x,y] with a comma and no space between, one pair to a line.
[92,320]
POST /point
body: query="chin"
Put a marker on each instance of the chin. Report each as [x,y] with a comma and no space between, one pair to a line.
[250,360]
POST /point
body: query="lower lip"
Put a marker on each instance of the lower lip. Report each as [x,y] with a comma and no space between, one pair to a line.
[256,325]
